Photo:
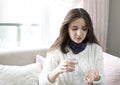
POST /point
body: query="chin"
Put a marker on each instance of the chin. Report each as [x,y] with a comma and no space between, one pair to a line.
[78,42]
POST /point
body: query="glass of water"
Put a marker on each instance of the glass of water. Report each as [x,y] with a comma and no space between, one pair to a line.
[72,75]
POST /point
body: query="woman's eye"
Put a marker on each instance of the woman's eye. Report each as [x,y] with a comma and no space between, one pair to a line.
[84,28]
[74,28]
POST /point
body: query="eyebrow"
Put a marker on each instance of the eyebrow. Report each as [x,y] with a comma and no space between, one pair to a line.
[76,26]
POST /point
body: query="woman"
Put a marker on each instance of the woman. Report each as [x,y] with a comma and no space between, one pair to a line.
[75,58]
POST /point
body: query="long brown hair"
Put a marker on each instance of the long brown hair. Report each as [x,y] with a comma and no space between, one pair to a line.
[63,38]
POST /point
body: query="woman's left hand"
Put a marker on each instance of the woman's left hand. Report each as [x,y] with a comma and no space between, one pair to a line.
[91,76]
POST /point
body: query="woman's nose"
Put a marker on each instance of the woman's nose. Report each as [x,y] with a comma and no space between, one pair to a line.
[78,33]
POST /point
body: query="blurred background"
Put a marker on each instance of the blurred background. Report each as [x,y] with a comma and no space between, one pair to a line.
[33,24]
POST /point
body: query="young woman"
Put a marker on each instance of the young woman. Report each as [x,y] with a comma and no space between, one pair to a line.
[76,57]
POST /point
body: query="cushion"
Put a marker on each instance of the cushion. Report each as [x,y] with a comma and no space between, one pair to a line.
[20,75]
[112,69]
[40,59]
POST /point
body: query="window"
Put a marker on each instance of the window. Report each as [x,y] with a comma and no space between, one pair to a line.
[8,35]
[31,23]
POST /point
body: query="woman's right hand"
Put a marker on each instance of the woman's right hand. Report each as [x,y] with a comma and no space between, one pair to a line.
[66,66]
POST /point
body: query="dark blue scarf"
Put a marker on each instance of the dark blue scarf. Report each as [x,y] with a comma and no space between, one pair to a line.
[77,48]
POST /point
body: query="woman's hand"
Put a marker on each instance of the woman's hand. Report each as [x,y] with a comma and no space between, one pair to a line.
[67,66]
[91,76]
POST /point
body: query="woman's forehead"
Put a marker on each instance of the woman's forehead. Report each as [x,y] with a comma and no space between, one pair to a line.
[78,21]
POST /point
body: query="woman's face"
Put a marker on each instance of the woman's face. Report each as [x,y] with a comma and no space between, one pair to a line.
[77,30]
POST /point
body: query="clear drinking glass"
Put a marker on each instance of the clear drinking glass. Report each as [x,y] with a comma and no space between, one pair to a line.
[72,74]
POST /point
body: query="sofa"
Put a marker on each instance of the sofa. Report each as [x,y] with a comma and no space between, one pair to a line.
[22,67]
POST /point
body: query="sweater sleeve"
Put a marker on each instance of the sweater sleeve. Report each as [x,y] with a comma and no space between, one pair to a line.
[51,63]
[99,64]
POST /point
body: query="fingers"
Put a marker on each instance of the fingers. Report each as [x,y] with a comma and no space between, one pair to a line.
[67,66]
[88,80]
[91,76]
[97,76]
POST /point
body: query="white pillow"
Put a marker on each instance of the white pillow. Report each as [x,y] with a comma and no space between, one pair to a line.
[20,75]
[112,69]
[40,59]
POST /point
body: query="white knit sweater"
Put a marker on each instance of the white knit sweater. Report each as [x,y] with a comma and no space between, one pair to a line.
[90,58]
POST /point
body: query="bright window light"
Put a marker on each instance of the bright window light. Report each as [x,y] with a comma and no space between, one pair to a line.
[31,23]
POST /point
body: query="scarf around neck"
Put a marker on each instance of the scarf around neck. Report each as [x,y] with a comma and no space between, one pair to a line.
[77,47]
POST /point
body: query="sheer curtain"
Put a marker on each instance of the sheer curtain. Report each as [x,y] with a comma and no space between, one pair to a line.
[99,12]
[56,11]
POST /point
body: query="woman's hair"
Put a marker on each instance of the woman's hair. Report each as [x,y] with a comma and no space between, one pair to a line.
[63,38]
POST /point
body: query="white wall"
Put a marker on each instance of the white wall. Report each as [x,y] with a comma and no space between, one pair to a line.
[113,43]
[20,11]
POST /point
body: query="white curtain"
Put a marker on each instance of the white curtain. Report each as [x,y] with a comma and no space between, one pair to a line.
[99,12]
